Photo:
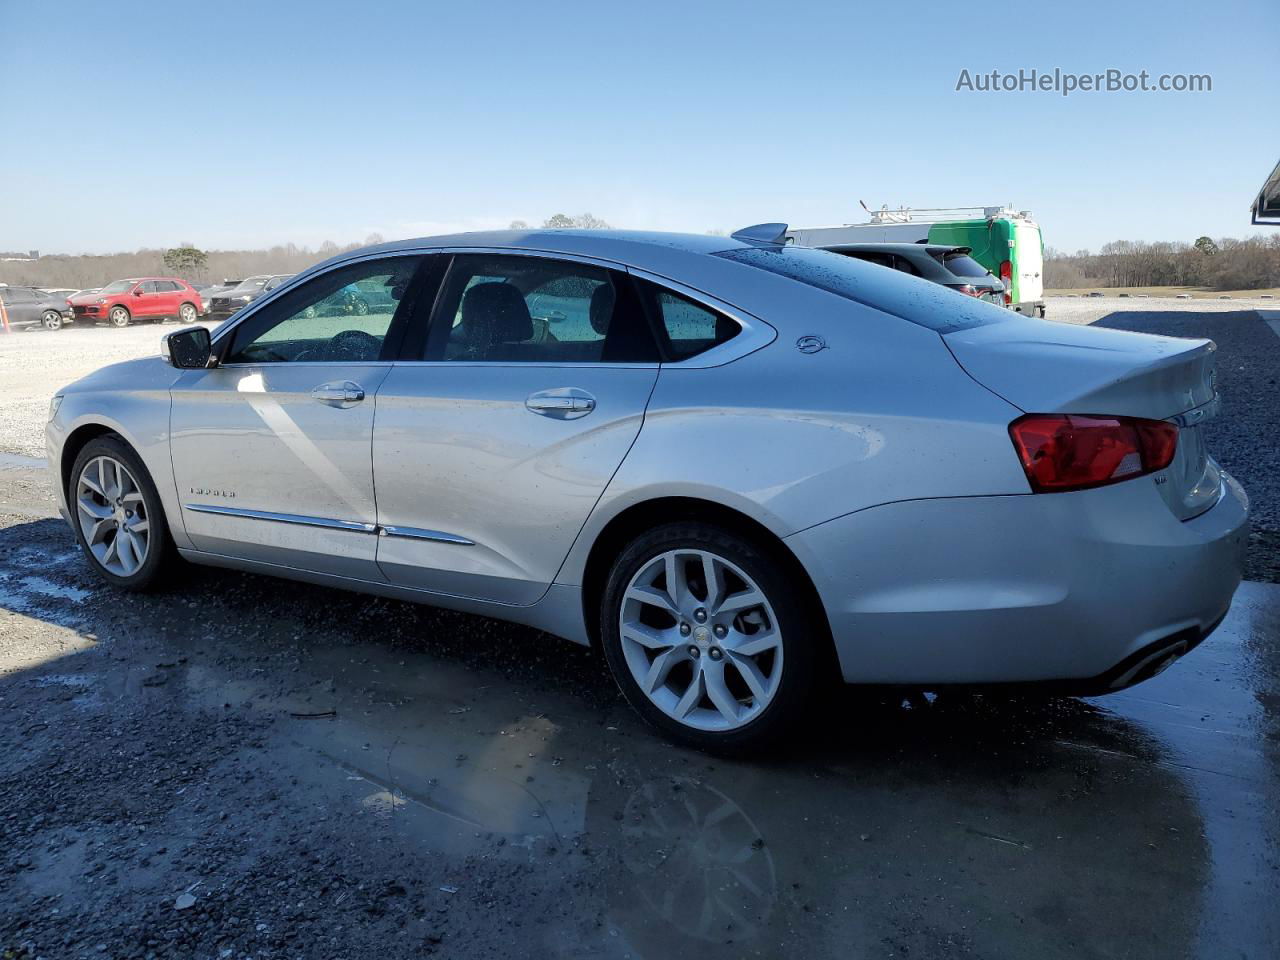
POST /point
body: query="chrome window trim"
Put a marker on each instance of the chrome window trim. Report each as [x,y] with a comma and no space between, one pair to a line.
[756,333]
[292,364]
[294,518]
[417,533]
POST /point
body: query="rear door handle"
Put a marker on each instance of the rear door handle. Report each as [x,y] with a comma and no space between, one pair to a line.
[563,403]
[340,393]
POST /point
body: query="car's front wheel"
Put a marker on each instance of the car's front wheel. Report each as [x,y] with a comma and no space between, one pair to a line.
[119,316]
[52,320]
[187,313]
[707,636]
[117,515]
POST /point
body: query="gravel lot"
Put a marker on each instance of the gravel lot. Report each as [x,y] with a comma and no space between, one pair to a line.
[247,768]
[35,363]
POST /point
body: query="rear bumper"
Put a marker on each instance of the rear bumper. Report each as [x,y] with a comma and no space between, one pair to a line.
[1078,589]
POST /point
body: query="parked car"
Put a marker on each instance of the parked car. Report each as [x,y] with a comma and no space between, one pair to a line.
[28,307]
[1003,239]
[947,266]
[211,290]
[59,291]
[223,305]
[140,298]
[754,467]
[354,299]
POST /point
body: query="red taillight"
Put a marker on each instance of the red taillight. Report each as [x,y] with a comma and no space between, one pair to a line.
[1006,274]
[1062,451]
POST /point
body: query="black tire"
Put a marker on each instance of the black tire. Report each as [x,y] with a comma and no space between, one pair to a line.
[190,308]
[51,320]
[119,316]
[161,554]
[801,634]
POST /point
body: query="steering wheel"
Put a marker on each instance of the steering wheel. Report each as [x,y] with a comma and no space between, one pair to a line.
[353,345]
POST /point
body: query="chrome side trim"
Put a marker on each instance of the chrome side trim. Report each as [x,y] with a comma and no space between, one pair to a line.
[294,518]
[415,533]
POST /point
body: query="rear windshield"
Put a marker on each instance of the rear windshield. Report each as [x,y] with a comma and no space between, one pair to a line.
[963,265]
[892,291]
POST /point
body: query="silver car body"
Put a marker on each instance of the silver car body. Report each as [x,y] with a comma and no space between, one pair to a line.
[873,448]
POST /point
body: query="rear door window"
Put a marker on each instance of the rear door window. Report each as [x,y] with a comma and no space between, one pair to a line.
[517,309]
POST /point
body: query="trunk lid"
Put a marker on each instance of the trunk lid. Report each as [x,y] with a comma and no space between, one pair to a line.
[1045,367]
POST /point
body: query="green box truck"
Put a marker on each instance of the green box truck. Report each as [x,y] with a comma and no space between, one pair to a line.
[1005,241]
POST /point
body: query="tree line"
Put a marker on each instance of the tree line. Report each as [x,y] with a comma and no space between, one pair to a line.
[203,266]
[1227,264]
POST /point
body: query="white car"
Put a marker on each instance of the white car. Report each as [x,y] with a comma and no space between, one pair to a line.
[736,466]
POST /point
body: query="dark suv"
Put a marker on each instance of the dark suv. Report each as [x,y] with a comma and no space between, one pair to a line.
[945,265]
[249,289]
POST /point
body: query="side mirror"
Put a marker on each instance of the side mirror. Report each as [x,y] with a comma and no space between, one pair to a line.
[137,292]
[188,349]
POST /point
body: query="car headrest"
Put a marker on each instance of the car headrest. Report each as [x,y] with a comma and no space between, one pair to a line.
[496,312]
[601,309]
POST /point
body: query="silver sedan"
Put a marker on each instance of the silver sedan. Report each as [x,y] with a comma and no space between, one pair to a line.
[737,467]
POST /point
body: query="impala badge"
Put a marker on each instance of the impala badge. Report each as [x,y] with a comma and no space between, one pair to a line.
[206,492]
[811,344]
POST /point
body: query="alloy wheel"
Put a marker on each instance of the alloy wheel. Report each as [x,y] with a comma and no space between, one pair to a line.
[187,313]
[701,640]
[52,320]
[119,317]
[113,516]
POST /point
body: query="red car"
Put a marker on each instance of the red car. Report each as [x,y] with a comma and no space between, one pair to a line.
[142,298]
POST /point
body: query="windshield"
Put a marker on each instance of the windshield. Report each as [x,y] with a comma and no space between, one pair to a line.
[963,265]
[120,286]
[251,285]
[891,291]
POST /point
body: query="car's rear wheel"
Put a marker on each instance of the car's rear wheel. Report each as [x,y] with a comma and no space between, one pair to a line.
[52,320]
[187,313]
[117,514]
[707,636]
[118,316]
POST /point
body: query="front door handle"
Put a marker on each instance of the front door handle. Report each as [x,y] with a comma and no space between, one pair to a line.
[563,403]
[340,393]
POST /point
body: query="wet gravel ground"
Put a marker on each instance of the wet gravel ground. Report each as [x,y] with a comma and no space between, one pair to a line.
[1245,436]
[246,768]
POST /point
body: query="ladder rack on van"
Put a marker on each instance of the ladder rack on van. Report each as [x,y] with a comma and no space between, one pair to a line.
[935,214]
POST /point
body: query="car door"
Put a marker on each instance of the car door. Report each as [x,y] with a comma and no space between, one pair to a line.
[497,435]
[144,301]
[271,448]
[167,293]
[20,305]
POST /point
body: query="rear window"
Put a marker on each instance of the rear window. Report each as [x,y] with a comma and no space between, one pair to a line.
[963,265]
[891,291]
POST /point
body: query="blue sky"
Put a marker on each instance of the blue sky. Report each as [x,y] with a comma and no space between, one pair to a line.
[233,124]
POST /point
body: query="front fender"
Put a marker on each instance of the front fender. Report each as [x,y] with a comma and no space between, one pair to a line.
[141,418]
